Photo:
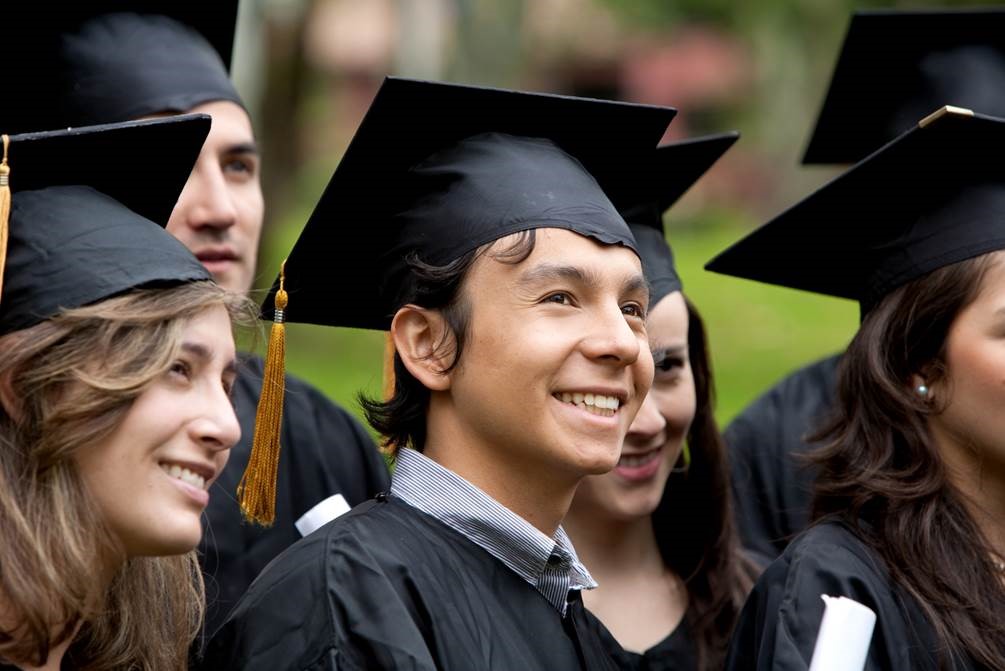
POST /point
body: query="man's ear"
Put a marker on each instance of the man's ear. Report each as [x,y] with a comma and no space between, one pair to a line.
[425,344]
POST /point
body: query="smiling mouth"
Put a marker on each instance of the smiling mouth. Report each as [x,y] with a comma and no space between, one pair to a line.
[638,460]
[596,404]
[180,473]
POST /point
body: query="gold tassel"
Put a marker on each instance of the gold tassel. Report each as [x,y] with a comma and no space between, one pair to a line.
[4,208]
[257,490]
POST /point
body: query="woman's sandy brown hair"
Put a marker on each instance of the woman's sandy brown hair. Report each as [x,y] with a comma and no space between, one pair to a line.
[694,520]
[68,382]
[881,472]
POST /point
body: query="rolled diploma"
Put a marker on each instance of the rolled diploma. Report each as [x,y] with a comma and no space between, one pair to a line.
[844,636]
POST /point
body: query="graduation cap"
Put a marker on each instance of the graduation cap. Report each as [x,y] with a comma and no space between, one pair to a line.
[932,197]
[662,180]
[436,171]
[82,214]
[439,169]
[110,60]
[897,66]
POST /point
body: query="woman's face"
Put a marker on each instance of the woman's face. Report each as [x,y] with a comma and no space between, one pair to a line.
[151,478]
[654,441]
[971,429]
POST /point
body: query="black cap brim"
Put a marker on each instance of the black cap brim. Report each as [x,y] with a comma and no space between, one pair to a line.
[932,197]
[88,207]
[660,183]
[142,164]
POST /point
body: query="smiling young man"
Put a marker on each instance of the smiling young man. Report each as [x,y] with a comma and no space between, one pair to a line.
[104,66]
[471,228]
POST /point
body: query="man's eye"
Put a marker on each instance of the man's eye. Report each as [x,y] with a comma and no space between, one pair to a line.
[634,310]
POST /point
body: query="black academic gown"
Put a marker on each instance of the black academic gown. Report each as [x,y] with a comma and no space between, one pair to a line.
[325,451]
[389,587]
[772,489]
[676,652]
[778,626]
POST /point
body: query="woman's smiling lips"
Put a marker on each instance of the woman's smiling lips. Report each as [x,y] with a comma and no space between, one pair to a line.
[639,467]
[192,479]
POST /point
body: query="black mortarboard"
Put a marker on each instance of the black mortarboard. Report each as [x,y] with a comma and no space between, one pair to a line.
[932,197]
[437,170]
[897,66]
[87,210]
[100,62]
[670,172]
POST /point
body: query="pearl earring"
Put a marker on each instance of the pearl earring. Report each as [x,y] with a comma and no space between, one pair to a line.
[922,390]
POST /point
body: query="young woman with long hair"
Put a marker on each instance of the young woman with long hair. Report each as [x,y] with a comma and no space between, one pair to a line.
[910,502]
[658,532]
[115,418]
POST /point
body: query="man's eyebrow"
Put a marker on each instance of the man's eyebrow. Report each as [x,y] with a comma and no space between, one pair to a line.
[636,283]
[552,271]
[242,148]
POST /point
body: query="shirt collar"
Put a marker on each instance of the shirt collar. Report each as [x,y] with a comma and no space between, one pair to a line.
[548,564]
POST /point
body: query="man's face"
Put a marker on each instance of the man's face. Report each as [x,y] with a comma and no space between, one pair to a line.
[551,374]
[220,212]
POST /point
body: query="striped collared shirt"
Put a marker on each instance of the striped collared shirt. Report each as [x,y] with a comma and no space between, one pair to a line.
[550,565]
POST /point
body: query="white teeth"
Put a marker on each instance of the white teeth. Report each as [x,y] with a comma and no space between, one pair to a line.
[597,404]
[185,475]
[636,460]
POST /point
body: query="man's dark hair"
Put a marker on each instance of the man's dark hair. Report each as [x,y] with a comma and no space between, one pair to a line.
[401,419]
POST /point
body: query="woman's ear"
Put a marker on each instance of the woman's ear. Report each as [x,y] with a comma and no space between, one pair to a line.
[8,400]
[422,338]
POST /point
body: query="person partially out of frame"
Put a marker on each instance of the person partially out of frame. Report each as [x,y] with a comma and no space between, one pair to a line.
[909,516]
[97,63]
[943,57]
[115,411]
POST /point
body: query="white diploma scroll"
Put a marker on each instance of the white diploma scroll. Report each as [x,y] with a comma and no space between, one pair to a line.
[844,636]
